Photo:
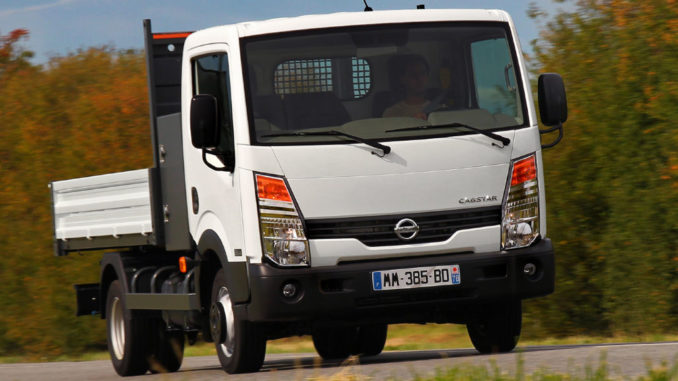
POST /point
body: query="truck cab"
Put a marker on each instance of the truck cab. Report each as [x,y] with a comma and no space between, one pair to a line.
[325,175]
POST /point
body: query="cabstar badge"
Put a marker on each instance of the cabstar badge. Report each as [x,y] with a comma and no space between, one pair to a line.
[467,200]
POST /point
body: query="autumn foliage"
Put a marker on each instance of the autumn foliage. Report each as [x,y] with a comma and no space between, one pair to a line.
[80,115]
[612,183]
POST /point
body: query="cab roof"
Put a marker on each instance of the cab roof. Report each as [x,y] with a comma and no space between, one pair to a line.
[289,24]
[343,19]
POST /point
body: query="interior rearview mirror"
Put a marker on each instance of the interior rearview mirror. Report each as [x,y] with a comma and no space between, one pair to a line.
[204,121]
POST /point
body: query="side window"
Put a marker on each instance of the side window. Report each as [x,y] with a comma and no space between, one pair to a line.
[494,76]
[210,76]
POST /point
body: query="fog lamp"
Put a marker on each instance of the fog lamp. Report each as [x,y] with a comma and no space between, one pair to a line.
[289,290]
[530,269]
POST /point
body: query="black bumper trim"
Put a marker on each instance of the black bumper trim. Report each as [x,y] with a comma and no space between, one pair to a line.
[344,292]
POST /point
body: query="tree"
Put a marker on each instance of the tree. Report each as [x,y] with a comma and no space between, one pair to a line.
[12,56]
[613,182]
[83,114]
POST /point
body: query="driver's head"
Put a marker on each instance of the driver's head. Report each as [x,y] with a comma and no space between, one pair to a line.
[414,75]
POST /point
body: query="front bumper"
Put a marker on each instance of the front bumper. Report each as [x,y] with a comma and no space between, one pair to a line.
[344,292]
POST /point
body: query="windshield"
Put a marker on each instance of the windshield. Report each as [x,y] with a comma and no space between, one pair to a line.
[375,82]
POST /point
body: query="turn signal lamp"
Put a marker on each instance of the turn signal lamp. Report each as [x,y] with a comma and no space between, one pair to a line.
[523,170]
[271,188]
[520,207]
[282,232]
[182,265]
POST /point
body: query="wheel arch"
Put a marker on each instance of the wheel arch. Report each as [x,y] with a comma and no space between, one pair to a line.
[108,275]
[112,269]
[210,264]
[213,256]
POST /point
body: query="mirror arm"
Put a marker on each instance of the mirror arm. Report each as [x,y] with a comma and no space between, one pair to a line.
[558,127]
[549,130]
[207,163]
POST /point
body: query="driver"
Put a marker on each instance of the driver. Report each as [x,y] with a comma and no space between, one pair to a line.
[412,80]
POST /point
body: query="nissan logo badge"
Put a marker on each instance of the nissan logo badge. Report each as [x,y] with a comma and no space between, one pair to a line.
[406,229]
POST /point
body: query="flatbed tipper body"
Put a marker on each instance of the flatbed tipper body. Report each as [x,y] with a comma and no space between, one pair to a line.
[114,206]
[325,175]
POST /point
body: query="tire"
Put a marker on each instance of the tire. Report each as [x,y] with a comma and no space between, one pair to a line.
[244,347]
[496,329]
[334,343]
[370,340]
[127,342]
[166,350]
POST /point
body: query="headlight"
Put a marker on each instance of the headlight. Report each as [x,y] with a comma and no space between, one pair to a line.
[282,232]
[520,208]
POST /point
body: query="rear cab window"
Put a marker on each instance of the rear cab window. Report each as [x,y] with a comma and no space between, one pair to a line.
[348,77]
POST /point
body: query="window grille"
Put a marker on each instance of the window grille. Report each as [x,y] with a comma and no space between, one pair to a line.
[301,76]
[361,77]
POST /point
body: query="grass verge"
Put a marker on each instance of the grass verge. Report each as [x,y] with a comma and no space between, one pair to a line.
[663,372]
[491,371]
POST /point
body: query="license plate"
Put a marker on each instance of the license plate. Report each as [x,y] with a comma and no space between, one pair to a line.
[416,277]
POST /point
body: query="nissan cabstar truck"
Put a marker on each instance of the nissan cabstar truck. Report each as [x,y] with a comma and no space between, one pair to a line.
[322,175]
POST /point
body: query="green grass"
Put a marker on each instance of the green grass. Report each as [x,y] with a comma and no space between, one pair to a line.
[467,372]
[88,356]
[663,372]
[400,337]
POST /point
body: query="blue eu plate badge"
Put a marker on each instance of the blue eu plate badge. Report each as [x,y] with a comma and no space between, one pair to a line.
[456,275]
[376,279]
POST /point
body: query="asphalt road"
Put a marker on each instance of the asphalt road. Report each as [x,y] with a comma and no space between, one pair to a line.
[624,360]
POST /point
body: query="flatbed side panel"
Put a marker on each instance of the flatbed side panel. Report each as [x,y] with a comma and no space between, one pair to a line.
[103,211]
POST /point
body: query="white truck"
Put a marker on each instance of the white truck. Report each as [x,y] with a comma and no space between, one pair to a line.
[325,175]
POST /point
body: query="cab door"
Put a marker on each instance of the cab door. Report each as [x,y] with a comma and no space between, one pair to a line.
[212,177]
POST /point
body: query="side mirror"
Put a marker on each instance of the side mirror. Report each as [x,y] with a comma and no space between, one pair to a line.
[204,121]
[552,105]
[552,101]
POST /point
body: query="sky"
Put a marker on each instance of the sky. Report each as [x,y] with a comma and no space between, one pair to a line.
[60,27]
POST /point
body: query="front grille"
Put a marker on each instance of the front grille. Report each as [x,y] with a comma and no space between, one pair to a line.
[378,231]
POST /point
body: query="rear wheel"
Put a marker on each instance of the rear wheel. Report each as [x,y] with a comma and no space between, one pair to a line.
[166,348]
[127,340]
[497,328]
[241,345]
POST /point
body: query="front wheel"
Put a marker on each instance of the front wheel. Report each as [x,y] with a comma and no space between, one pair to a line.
[334,343]
[497,328]
[337,343]
[370,339]
[241,345]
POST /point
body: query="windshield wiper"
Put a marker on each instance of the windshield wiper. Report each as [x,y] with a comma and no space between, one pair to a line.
[491,135]
[384,148]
